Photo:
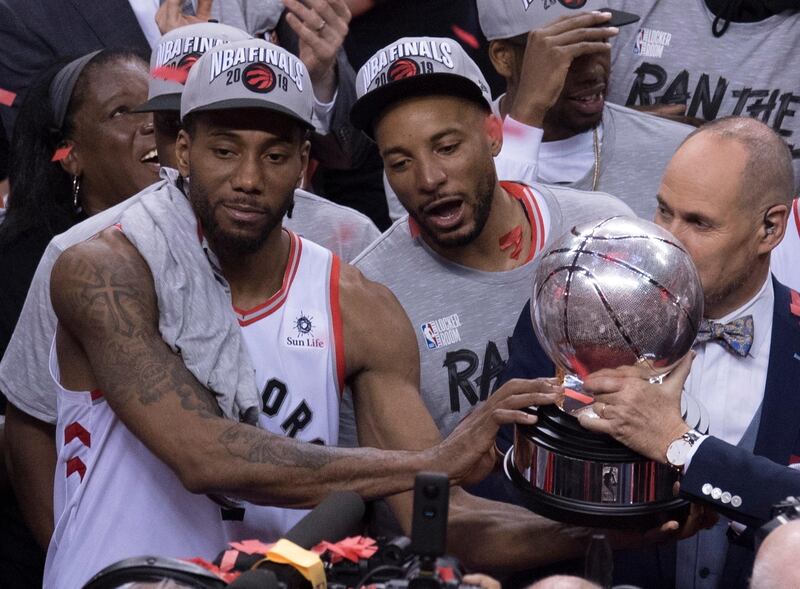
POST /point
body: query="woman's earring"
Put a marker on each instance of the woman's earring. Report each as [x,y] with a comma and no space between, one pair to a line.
[76,190]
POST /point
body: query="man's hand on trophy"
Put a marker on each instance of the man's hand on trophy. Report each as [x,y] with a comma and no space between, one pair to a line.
[645,417]
[468,453]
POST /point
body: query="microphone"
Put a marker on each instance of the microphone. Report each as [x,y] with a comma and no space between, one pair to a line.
[335,518]
[256,579]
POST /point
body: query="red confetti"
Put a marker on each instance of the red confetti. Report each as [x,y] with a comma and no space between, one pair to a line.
[170,74]
[7,97]
[61,153]
[353,549]
[794,305]
[251,546]
[225,576]
[513,237]
[465,36]
[572,394]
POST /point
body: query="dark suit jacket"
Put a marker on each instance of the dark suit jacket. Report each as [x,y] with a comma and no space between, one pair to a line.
[36,33]
[760,478]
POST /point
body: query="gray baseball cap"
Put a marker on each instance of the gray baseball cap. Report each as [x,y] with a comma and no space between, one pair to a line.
[415,66]
[249,74]
[174,55]
[503,19]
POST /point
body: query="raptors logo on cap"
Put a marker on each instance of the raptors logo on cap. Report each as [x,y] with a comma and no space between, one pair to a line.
[187,61]
[259,77]
[403,68]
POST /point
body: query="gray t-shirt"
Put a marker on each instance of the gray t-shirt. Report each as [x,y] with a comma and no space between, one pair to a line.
[24,370]
[634,152]
[463,318]
[343,230]
[670,56]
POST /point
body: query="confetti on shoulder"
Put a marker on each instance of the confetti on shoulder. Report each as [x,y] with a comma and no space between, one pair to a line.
[7,97]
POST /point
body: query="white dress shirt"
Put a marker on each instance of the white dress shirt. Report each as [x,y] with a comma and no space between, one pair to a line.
[729,386]
[145,12]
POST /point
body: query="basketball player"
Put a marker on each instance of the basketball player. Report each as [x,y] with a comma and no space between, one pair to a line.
[461,262]
[141,442]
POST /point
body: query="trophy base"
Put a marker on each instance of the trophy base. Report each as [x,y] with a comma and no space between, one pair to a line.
[566,473]
[591,514]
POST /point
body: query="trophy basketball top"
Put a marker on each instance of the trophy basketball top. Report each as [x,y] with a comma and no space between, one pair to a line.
[616,292]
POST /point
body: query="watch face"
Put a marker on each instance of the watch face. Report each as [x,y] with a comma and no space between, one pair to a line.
[677,452]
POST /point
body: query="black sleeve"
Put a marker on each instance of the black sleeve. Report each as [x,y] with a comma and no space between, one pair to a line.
[758,482]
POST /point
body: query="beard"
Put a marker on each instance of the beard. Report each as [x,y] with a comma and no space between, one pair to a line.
[484,194]
[731,286]
[226,242]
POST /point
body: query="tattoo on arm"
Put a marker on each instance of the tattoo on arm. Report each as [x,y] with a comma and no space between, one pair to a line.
[252,445]
[116,299]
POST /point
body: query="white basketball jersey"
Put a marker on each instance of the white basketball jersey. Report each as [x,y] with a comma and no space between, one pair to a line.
[785,259]
[295,344]
[114,499]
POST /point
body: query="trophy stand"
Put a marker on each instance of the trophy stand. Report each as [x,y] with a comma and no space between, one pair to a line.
[567,473]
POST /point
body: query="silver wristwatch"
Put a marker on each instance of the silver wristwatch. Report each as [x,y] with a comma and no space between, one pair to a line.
[678,450]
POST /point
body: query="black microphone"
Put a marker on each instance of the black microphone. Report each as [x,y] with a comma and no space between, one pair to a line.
[256,579]
[335,518]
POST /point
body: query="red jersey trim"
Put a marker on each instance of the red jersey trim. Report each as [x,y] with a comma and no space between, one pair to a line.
[336,320]
[76,431]
[526,195]
[272,304]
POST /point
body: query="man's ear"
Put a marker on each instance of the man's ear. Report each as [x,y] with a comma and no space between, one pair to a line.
[503,57]
[494,131]
[71,163]
[774,228]
[305,151]
[182,145]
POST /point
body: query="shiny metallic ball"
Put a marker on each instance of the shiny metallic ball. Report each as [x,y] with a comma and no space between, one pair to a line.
[616,292]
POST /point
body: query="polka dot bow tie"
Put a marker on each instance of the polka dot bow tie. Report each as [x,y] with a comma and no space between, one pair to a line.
[736,336]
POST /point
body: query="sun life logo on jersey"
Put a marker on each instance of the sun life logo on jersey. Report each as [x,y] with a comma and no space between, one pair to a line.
[304,327]
[441,332]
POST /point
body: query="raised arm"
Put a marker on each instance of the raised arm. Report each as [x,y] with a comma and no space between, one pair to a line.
[108,338]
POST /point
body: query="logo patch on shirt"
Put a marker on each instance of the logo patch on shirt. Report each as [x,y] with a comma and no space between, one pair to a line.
[651,42]
[304,327]
[441,332]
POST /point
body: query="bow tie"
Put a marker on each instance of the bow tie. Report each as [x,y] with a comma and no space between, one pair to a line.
[736,336]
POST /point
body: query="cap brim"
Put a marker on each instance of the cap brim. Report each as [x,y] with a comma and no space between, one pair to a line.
[367,108]
[237,103]
[164,102]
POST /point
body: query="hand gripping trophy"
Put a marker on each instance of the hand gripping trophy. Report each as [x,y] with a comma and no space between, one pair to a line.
[610,293]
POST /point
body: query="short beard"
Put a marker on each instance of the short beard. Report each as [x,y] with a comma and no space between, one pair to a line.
[227,244]
[484,195]
[715,298]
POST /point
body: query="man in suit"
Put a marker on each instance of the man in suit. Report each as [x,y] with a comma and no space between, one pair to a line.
[726,195]
[35,34]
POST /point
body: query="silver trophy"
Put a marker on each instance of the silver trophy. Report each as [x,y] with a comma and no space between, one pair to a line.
[610,293]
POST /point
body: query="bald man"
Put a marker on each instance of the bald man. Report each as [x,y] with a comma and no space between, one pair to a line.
[564,582]
[776,561]
[726,195]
